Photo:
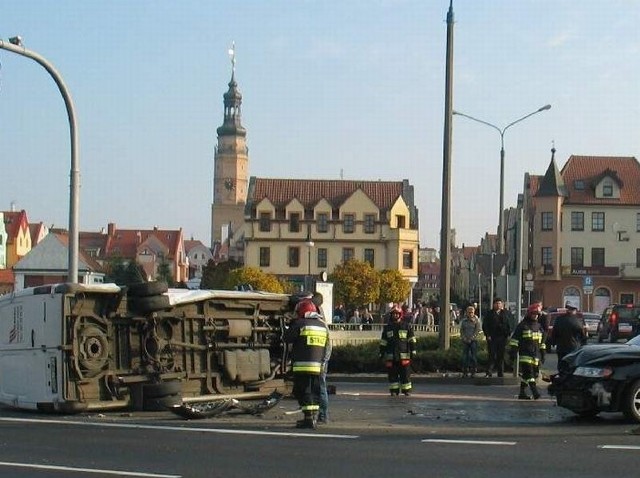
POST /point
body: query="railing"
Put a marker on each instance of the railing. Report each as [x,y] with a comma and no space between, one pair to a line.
[356,334]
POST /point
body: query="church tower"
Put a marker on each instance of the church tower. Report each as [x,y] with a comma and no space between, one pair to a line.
[231,169]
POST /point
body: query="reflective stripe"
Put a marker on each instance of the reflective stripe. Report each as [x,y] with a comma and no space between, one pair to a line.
[513,343]
[310,408]
[406,386]
[383,343]
[529,360]
[394,386]
[314,367]
[402,334]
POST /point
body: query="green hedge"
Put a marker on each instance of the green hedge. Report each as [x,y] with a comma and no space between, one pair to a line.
[429,359]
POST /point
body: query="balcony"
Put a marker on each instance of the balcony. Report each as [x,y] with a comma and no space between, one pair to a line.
[629,271]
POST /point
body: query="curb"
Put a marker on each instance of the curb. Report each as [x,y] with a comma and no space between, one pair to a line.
[438,379]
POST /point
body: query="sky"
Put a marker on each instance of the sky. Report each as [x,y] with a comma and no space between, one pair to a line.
[331,89]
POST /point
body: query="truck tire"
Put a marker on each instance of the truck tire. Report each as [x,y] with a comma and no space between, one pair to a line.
[146,289]
[162,389]
[152,303]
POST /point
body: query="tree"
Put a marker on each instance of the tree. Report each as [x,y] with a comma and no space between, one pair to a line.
[355,283]
[123,271]
[393,286]
[214,276]
[256,278]
[163,272]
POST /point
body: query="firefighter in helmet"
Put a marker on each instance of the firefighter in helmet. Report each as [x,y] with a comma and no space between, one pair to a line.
[529,341]
[309,337]
[397,347]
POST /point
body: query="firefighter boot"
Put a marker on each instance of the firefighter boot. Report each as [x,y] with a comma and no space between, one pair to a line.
[523,392]
[309,421]
[534,390]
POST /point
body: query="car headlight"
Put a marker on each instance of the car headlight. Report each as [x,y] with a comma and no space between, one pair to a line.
[593,372]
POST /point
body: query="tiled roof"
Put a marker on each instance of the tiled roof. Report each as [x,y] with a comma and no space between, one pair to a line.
[591,168]
[534,184]
[125,242]
[310,191]
[52,253]
[190,244]
[13,221]
[429,268]
[468,252]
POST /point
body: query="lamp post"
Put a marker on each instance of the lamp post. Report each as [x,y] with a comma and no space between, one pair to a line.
[307,280]
[15,46]
[502,132]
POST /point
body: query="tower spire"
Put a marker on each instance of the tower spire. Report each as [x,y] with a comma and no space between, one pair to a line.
[232,56]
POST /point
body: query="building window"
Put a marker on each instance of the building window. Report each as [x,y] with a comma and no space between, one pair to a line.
[265,222]
[578,184]
[265,256]
[407,259]
[369,256]
[348,253]
[547,256]
[322,257]
[638,222]
[294,257]
[597,221]
[626,299]
[597,257]
[577,257]
[323,222]
[547,221]
[637,257]
[349,224]
[607,189]
[400,221]
[369,223]
[294,222]
[577,221]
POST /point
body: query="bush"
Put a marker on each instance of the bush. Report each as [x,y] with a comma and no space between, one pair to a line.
[429,358]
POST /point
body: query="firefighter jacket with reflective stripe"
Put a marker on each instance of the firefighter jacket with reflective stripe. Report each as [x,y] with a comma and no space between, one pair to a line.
[398,341]
[528,339]
[310,339]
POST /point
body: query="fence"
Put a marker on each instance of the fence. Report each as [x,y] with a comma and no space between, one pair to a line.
[356,334]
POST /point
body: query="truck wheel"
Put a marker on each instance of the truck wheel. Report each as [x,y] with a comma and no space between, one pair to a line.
[146,289]
[631,408]
[152,303]
[162,389]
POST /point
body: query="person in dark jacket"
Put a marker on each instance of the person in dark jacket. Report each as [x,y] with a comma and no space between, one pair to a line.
[397,348]
[568,332]
[496,327]
[309,337]
[528,340]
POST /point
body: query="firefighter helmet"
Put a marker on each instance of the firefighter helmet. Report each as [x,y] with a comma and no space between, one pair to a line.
[304,307]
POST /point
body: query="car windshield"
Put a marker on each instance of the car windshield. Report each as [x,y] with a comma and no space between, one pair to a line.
[634,341]
[628,312]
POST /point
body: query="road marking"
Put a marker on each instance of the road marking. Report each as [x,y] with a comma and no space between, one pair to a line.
[470,442]
[86,470]
[180,429]
[619,447]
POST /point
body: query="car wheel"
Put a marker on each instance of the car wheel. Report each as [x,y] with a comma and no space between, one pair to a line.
[632,402]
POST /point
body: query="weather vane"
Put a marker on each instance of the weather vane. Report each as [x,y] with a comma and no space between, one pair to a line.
[232,55]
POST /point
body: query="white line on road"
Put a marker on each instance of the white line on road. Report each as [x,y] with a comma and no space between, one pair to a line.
[470,442]
[179,429]
[86,470]
[619,447]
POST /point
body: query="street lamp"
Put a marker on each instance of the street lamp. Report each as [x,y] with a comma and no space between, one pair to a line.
[15,45]
[307,281]
[502,132]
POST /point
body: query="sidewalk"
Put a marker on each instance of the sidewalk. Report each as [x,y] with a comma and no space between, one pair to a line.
[453,378]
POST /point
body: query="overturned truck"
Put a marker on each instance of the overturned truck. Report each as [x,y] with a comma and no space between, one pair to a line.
[75,347]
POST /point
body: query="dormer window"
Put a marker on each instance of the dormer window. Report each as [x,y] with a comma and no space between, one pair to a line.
[578,184]
[607,189]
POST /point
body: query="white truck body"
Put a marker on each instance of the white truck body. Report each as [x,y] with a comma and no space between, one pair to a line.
[74,347]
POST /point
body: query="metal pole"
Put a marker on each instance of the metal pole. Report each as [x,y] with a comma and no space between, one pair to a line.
[519,259]
[479,295]
[445,227]
[500,217]
[491,284]
[74,199]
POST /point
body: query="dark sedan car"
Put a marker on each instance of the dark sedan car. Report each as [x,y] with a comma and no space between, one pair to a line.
[600,378]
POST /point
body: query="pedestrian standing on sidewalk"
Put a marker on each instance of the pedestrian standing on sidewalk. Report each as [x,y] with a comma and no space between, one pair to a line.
[497,330]
[397,348]
[529,342]
[469,330]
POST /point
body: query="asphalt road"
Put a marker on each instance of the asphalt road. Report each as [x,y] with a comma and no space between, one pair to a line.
[455,429]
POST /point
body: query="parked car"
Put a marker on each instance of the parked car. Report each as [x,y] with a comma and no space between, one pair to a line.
[619,321]
[600,378]
[591,320]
